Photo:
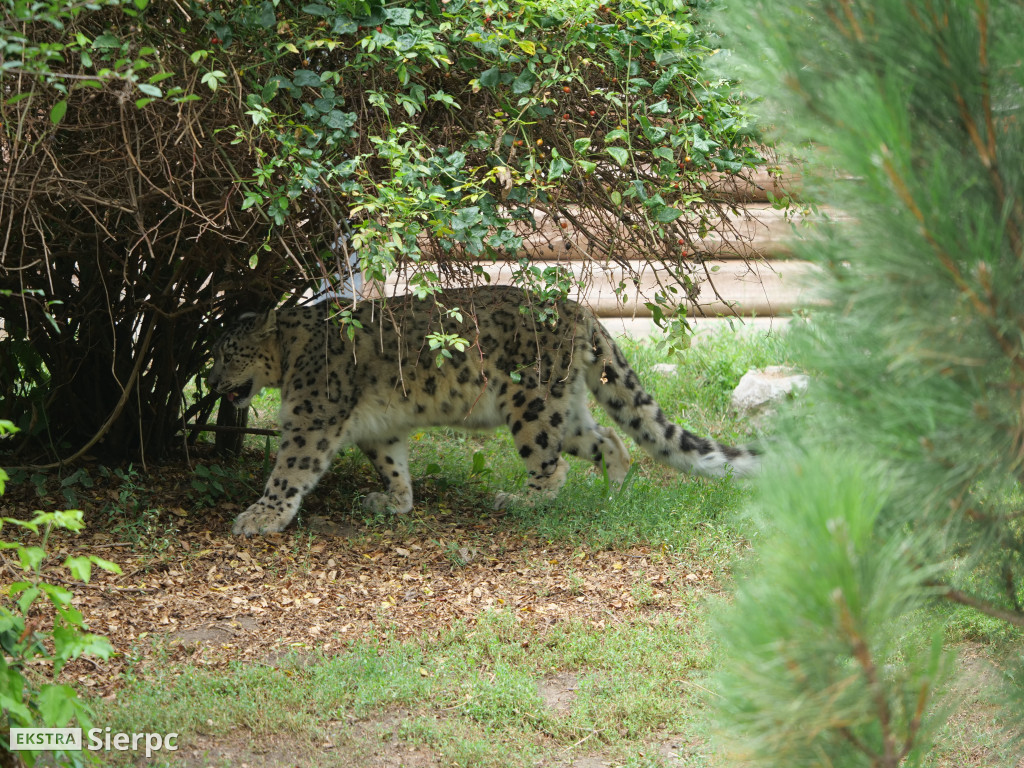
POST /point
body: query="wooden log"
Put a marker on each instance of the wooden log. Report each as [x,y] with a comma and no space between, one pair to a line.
[223,429]
[754,231]
[756,188]
[756,288]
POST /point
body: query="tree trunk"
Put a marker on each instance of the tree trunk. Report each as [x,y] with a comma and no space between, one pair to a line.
[230,443]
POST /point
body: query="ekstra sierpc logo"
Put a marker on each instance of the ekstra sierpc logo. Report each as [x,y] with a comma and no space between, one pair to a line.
[70,740]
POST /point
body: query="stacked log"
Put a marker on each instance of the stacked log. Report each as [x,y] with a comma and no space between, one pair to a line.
[744,268]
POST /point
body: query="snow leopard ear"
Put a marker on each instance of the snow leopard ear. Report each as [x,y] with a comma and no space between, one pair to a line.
[268,325]
[263,325]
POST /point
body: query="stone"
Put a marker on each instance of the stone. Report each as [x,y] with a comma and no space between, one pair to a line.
[759,390]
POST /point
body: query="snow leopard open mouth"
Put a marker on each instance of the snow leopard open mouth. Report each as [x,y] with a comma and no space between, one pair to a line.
[240,393]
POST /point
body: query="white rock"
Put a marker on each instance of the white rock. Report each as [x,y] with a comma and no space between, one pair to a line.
[665,369]
[760,389]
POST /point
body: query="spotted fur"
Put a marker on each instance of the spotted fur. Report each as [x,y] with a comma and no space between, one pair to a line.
[377,388]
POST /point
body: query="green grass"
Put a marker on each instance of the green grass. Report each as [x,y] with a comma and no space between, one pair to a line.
[472,687]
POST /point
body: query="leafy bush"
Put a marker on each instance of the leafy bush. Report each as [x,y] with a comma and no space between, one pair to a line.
[202,158]
[38,624]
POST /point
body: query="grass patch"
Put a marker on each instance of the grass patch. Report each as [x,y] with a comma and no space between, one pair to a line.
[472,696]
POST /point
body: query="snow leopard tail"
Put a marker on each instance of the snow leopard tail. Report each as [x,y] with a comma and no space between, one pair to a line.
[617,388]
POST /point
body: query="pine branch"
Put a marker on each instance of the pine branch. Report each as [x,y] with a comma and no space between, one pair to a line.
[957,596]
[985,307]
[990,154]
[915,723]
[1010,584]
[862,653]
[851,737]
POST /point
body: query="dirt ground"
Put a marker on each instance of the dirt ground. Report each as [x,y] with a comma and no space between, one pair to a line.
[218,598]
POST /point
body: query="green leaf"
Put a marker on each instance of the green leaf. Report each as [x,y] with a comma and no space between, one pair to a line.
[12,686]
[523,83]
[581,145]
[266,17]
[615,135]
[70,643]
[317,9]
[212,79]
[57,704]
[490,78]
[80,567]
[620,155]
[106,41]
[558,167]
[305,78]
[58,111]
[465,218]
[667,214]
[71,519]
[71,617]
[107,565]
[400,17]
[727,165]
[59,596]
[17,588]
[344,26]
[703,144]
[27,598]
[150,90]
[31,557]
[338,120]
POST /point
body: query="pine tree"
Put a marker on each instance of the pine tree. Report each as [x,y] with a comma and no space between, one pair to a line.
[896,489]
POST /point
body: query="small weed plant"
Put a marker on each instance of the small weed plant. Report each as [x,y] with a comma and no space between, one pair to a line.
[132,518]
[213,483]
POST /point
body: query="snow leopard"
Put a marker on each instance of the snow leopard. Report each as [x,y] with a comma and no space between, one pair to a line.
[475,359]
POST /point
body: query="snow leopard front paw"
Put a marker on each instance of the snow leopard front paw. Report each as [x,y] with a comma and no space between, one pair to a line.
[378,503]
[503,500]
[258,519]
